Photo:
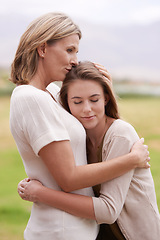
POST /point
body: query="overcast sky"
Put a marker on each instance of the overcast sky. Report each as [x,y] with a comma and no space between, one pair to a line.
[15,15]
[97,11]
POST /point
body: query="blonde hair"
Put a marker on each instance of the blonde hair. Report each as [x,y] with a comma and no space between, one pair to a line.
[87,71]
[47,28]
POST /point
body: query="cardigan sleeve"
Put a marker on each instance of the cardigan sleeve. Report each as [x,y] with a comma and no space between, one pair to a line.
[113,193]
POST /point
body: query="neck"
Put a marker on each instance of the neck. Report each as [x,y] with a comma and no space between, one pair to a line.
[40,79]
[95,136]
[38,84]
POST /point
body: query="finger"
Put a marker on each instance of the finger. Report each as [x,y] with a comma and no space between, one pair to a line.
[142,140]
[105,73]
[22,182]
[21,190]
[98,64]
[148,159]
[103,70]
[147,154]
[27,179]
[148,165]
[146,146]
[101,67]
[22,196]
[147,162]
[107,79]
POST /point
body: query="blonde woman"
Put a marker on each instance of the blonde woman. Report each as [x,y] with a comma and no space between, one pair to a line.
[51,141]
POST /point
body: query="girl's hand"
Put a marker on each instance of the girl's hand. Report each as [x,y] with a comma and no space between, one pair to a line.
[27,189]
[142,154]
[104,71]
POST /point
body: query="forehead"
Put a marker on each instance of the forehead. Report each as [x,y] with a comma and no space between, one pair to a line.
[72,40]
[84,87]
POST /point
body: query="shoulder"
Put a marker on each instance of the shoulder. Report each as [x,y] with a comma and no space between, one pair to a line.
[119,139]
[121,129]
[28,98]
[54,90]
[53,87]
[26,91]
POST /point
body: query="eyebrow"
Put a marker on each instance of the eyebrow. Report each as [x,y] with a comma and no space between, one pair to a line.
[94,95]
[75,97]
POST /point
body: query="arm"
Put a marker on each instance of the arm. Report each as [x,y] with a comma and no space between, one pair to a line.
[71,177]
[78,205]
[106,208]
[113,193]
[46,133]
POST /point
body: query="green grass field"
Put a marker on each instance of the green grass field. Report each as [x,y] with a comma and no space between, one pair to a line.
[142,113]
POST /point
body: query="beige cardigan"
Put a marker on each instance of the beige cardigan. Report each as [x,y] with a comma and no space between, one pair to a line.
[129,199]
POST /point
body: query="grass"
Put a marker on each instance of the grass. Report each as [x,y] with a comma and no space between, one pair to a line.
[142,113]
[14,213]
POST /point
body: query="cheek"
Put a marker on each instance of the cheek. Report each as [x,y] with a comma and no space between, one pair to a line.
[101,108]
[74,111]
[72,108]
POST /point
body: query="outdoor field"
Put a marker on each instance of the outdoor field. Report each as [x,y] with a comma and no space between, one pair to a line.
[142,112]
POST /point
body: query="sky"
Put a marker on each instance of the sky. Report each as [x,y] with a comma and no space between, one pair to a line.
[96,11]
[15,15]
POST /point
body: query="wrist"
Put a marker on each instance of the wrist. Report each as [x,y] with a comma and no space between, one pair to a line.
[134,158]
[39,192]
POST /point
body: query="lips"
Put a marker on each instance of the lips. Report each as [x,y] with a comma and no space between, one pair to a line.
[88,118]
[68,69]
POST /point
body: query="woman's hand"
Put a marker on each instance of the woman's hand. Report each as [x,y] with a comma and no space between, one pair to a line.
[27,189]
[104,71]
[142,154]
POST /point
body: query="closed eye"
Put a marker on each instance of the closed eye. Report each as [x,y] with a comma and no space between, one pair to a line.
[94,100]
[78,102]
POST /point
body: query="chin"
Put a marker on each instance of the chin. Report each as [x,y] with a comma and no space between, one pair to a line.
[88,127]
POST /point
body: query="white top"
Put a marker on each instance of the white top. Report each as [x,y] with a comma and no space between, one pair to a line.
[35,121]
[129,199]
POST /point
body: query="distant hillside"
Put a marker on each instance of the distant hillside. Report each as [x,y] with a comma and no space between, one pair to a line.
[130,52]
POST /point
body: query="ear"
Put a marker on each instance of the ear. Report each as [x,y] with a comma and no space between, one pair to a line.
[41,49]
[106,99]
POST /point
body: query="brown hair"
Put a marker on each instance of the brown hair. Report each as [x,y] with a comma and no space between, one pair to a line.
[47,28]
[87,71]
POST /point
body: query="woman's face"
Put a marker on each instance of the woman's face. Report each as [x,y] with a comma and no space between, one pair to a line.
[59,57]
[86,101]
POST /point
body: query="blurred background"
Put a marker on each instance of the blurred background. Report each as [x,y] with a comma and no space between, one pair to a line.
[122,35]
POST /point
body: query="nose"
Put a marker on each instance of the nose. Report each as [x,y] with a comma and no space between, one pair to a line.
[74,60]
[86,107]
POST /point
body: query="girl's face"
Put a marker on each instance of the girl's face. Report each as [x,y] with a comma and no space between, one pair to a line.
[59,58]
[87,102]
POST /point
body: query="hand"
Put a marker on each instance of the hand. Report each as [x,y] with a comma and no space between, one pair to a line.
[142,153]
[104,71]
[27,189]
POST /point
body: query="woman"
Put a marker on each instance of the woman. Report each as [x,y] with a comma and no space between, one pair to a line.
[46,134]
[128,202]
